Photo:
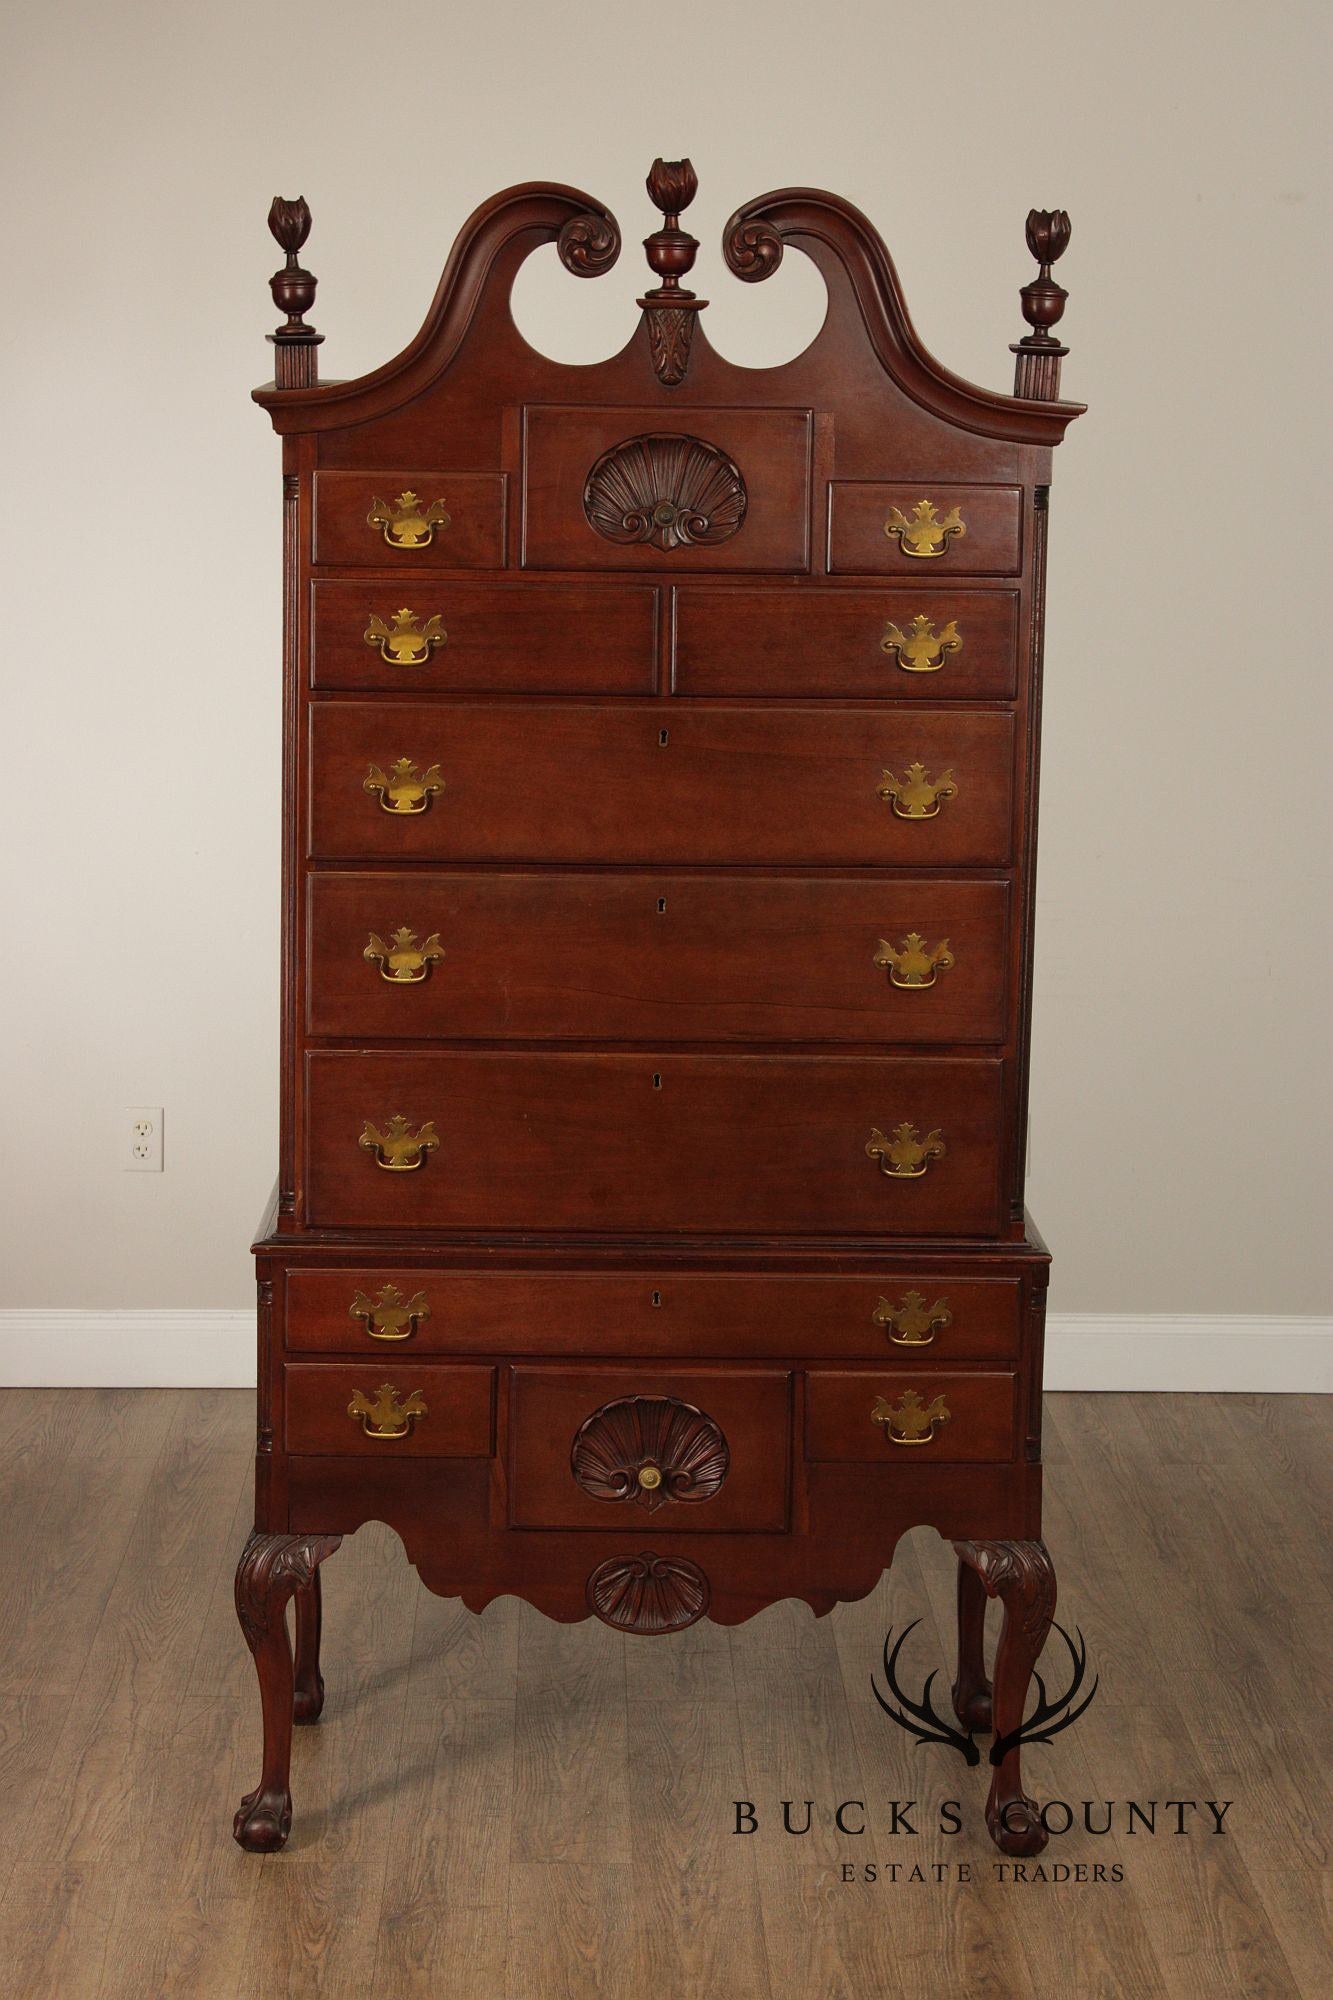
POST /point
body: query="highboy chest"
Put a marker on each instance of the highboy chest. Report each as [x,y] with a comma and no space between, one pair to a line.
[660,783]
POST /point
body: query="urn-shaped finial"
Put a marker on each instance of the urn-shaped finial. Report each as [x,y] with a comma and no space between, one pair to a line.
[1037,372]
[1048,234]
[293,292]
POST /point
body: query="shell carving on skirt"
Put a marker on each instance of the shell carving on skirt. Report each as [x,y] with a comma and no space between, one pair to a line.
[675,492]
[650,1449]
[648,1593]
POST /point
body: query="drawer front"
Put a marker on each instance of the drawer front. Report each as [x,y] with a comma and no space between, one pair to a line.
[393,1409]
[645,1451]
[914,787]
[662,489]
[897,1321]
[927,531]
[484,638]
[871,1418]
[902,643]
[656,957]
[710,1144]
[423,520]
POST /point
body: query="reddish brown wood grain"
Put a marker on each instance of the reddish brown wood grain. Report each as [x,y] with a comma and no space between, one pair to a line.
[660,957]
[753,642]
[457,1423]
[839,1423]
[474,537]
[991,545]
[669,783]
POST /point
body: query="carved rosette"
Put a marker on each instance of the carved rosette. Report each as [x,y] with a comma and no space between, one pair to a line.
[648,1594]
[672,492]
[650,1449]
[589,244]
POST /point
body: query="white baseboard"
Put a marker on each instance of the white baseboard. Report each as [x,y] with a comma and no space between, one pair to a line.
[1236,1352]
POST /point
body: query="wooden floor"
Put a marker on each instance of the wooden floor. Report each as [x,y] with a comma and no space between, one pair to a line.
[501,1806]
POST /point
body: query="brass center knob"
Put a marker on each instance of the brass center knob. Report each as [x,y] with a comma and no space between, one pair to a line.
[649,1477]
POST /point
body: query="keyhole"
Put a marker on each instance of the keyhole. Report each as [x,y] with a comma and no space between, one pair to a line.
[657,1080]
[657,1298]
[662,736]
[661,906]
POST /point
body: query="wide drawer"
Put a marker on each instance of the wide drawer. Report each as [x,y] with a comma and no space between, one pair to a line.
[410,520]
[649,1451]
[485,638]
[871,1418]
[577,782]
[656,957]
[931,530]
[661,1315]
[672,1143]
[899,643]
[392,1408]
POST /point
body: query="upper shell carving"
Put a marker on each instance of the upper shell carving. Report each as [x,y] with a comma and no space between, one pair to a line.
[675,492]
[650,1449]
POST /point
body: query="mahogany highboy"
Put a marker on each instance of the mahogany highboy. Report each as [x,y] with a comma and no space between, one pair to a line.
[659,828]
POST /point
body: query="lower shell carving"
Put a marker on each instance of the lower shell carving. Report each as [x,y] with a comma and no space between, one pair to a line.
[648,1593]
[675,492]
[650,1449]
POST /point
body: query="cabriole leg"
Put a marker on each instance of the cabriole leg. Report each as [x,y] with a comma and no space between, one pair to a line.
[309,1697]
[1022,1576]
[971,1690]
[272,1568]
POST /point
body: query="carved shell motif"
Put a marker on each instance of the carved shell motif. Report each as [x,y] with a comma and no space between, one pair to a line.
[675,492]
[650,1449]
[648,1593]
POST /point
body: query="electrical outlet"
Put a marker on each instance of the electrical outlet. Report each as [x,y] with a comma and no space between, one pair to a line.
[144,1140]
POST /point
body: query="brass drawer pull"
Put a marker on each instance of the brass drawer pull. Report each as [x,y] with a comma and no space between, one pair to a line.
[383,1416]
[405,523]
[404,962]
[913,964]
[922,650]
[390,1316]
[913,1323]
[405,789]
[914,795]
[925,535]
[906,1156]
[406,642]
[399,1150]
[911,1421]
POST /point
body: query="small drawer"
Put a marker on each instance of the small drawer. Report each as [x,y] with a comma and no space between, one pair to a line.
[647,1451]
[898,1321]
[485,638]
[661,957]
[930,530]
[908,787]
[900,644]
[395,1409]
[421,520]
[865,1417]
[666,489]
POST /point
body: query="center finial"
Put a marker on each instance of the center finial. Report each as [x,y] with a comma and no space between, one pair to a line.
[671,251]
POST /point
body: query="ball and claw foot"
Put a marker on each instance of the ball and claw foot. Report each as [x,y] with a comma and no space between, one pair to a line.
[972,1706]
[263,1821]
[1015,1825]
[308,1701]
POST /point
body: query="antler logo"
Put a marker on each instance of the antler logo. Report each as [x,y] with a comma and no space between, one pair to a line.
[920,1718]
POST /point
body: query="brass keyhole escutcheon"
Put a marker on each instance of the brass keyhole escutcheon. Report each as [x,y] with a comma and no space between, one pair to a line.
[650,1478]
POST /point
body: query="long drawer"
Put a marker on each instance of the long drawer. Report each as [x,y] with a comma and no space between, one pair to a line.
[661,783]
[921,1313]
[657,957]
[647,1451]
[671,1143]
[898,643]
[459,636]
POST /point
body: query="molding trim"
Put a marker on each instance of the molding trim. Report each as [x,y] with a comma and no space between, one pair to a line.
[1245,1353]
